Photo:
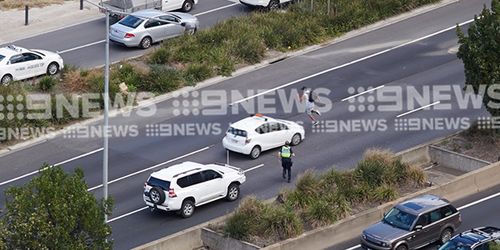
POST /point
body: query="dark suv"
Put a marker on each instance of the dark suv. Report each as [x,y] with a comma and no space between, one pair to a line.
[413,224]
[482,238]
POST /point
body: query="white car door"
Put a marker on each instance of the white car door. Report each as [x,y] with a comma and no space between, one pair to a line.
[173,27]
[169,5]
[213,184]
[278,134]
[264,137]
[35,64]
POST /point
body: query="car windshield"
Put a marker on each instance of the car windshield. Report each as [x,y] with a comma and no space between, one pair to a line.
[399,219]
[237,132]
[155,182]
[454,245]
[131,21]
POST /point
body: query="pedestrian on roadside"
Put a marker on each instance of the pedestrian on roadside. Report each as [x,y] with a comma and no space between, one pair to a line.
[286,154]
[309,97]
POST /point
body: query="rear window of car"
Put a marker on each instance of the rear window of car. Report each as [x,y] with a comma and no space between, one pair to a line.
[152,181]
[131,21]
[237,132]
[1,57]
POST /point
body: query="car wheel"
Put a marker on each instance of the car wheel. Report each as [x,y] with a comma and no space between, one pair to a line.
[187,208]
[233,192]
[273,5]
[146,42]
[187,6]
[296,139]
[402,247]
[157,195]
[445,235]
[52,69]
[6,79]
[255,153]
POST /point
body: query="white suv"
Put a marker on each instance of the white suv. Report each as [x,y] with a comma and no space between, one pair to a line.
[184,186]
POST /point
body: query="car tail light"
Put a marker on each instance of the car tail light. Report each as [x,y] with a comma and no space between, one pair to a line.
[171,193]
[247,140]
[129,35]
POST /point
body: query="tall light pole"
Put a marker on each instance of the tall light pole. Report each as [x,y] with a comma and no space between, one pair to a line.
[106,118]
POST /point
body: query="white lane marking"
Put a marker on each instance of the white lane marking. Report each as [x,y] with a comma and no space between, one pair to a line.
[415,110]
[460,208]
[362,93]
[150,168]
[127,214]
[351,62]
[81,47]
[479,201]
[143,208]
[57,164]
[216,9]
[253,168]
[103,41]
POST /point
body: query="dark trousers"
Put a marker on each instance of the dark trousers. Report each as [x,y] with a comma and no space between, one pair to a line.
[286,163]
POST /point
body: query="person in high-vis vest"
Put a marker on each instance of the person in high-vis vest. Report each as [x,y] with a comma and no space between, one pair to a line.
[286,154]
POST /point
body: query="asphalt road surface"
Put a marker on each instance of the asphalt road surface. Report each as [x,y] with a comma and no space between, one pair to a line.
[83,45]
[477,210]
[415,55]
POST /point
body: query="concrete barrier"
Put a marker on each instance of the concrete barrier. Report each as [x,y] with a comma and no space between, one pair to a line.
[418,155]
[214,240]
[455,160]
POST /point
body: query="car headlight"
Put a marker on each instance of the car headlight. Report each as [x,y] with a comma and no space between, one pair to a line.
[384,244]
[363,236]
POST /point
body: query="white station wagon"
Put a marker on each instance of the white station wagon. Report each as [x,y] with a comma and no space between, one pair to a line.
[258,133]
[18,63]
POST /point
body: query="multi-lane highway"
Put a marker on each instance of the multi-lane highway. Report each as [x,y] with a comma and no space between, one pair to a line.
[477,211]
[414,54]
[83,44]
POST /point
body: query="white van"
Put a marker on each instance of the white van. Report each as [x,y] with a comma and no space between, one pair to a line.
[129,6]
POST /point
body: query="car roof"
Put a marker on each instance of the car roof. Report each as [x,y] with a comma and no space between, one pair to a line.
[254,121]
[11,50]
[475,235]
[422,204]
[178,170]
[149,13]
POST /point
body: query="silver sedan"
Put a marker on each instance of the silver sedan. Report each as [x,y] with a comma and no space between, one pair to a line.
[142,28]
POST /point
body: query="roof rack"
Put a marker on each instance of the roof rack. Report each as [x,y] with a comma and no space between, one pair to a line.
[13,47]
[185,172]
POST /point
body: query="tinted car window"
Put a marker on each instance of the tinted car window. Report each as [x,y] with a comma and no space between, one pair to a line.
[435,215]
[169,19]
[264,128]
[131,21]
[30,57]
[423,220]
[210,175]
[16,59]
[195,179]
[183,182]
[165,185]
[447,211]
[237,132]
[454,245]
[1,57]
[152,23]
[399,219]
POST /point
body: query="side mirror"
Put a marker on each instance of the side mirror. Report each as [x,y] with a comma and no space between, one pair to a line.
[183,24]
[418,228]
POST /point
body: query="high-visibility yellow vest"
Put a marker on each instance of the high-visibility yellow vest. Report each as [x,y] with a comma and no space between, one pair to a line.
[286,152]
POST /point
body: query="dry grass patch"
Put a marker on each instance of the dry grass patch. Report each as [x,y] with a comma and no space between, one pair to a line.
[18,4]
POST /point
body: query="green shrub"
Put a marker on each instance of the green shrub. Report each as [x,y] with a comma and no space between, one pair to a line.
[162,79]
[282,222]
[47,83]
[385,193]
[416,176]
[161,55]
[128,74]
[248,219]
[197,72]
[319,213]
